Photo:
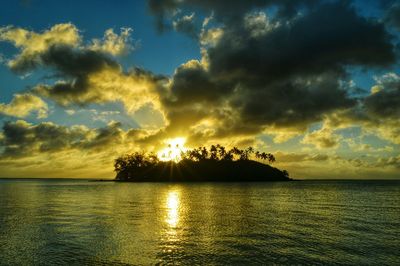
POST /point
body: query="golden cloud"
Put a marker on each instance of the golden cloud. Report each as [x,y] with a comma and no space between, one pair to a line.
[113,43]
[32,44]
[24,104]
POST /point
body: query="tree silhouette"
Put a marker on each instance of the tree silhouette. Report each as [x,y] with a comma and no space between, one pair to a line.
[221,152]
[285,173]
[139,162]
[213,152]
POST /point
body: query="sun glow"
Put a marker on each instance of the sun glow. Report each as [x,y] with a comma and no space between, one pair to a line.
[173,151]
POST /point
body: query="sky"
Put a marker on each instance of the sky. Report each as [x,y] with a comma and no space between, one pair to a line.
[316,83]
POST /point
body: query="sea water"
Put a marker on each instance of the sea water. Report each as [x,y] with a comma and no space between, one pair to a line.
[67,222]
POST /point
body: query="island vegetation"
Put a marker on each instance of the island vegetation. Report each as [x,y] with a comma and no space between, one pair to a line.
[216,164]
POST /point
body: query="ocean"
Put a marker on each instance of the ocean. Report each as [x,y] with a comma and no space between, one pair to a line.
[78,222]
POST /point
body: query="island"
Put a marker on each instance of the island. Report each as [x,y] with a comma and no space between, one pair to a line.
[216,164]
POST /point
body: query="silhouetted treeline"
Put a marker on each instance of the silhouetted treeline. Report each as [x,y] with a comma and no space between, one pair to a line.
[219,153]
[200,164]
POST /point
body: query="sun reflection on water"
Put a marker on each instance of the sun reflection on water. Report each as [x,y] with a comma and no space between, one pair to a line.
[172,205]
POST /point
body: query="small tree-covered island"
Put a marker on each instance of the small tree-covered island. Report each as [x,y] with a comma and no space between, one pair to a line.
[216,164]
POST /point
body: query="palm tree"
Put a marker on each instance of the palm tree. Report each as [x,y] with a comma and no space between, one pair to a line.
[243,155]
[235,151]
[250,150]
[228,156]
[266,156]
[271,158]
[194,155]
[204,153]
[213,153]
[221,151]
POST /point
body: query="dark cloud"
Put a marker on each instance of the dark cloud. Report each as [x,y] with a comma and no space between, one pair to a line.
[378,113]
[191,84]
[66,60]
[224,10]
[76,62]
[162,8]
[287,74]
[385,102]
[32,45]
[324,39]
[393,15]
[106,136]
[22,139]
[72,64]
[294,102]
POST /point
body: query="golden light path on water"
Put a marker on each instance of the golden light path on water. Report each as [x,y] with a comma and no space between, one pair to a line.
[172,220]
[173,207]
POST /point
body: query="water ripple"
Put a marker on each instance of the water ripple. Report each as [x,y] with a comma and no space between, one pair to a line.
[302,223]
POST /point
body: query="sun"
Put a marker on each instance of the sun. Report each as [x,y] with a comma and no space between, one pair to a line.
[173,150]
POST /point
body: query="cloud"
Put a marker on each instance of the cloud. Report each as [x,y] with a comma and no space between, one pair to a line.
[24,104]
[210,37]
[113,43]
[384,101]
[300,157]
[311,44]
[135,88]
[186,24]
[376,114]
[191,84]
[50,150]
[102,138]
[258,24]
[323,138]
[321,166]
[224,10]
[275,74]
[393,161]
[32,45]
[70,111]
[87,74]
[23,139]
[51,47]
[280,73]
[69,61]
[393,15]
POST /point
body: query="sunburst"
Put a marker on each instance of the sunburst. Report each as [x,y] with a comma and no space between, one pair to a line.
[173,150]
